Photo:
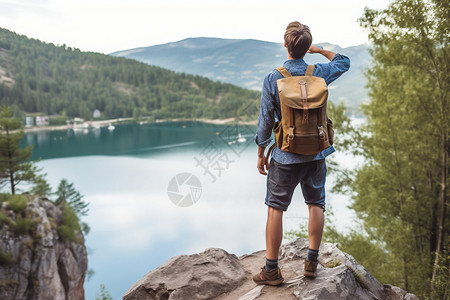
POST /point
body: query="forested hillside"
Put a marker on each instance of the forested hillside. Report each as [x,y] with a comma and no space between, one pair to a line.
[40,77]
[246,62]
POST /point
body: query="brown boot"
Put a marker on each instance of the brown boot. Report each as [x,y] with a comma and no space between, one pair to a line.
[310,268]
[272,277]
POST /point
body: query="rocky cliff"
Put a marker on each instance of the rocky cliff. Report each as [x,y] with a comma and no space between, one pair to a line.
[216,274]
[36,262]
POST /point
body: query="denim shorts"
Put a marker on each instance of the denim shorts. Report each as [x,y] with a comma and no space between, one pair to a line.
[283,179]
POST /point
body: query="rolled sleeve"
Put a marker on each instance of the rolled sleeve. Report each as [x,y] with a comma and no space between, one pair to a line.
[266,115]
[335,68]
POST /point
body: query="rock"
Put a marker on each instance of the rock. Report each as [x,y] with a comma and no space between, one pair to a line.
[215,274]
[198,276]
[43,266]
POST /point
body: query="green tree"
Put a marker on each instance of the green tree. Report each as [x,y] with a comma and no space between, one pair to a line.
[103,294]
[401,194]
[40,186]
[15,166]
[67,194]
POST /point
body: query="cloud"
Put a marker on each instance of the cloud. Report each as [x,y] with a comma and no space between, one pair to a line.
[18,8]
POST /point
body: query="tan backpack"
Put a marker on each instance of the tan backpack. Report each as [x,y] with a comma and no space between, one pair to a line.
[304,127]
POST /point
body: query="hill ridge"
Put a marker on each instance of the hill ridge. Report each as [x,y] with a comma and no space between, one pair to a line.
[245,62]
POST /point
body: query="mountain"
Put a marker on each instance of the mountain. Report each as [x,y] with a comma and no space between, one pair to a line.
[37,77]
[246,62]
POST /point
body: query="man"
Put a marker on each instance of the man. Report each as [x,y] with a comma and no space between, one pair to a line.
[286,170]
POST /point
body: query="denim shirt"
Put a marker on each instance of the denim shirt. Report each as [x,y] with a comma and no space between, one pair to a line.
[270,111]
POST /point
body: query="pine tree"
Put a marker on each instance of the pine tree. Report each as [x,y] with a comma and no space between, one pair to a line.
[40,186]
[15,166]
[103,294]
[67,193]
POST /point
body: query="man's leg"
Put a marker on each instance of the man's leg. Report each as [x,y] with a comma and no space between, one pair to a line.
[315,226]
[315,229]
[270,273]
[274,232]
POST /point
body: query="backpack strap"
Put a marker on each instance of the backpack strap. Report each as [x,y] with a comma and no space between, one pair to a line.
[284,72]
[269,152]
[291,135]
[321,129]
[309,70]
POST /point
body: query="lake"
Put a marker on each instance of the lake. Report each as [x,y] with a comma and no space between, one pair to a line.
[165,189]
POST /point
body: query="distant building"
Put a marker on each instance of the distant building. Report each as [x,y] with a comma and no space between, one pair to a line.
[96,114]
[29,121]
[78,120]
[42,121]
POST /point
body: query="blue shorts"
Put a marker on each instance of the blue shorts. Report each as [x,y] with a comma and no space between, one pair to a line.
[283,179]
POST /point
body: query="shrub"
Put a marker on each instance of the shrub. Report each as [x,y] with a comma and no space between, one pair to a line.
[3,218]
[29,243]
[17,203]
[4,197]
[70,225]
[23,225]
[5,258]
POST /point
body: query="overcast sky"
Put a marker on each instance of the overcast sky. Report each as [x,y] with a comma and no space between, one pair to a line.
[111,25]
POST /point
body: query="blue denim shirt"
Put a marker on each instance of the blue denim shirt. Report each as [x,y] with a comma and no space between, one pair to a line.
[270,104]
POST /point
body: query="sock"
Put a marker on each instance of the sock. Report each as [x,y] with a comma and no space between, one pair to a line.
[271,264]
[312,254]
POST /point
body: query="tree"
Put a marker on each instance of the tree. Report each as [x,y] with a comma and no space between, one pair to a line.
[401,193]
[15,166]
[67,194]
[104,294]
[41,186]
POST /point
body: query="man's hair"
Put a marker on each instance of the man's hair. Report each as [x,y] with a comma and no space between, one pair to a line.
[298,39]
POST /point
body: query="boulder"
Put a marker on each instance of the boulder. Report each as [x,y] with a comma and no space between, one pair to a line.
[198,276]
[216,274]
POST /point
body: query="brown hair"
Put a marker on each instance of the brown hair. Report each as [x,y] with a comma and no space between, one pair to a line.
[298,39]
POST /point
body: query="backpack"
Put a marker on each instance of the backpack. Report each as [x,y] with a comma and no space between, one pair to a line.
[304,127]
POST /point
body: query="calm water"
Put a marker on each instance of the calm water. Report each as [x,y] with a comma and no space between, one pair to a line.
[125,175]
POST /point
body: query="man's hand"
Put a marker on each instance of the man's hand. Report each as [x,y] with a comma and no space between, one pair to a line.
[314,49]
[326,53]
[262,161]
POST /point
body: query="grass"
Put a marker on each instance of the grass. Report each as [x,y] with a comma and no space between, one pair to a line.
[5,258]
[333,264]
[9,282]
[17,203]
[23,225]
[3,218]
[70,225]
[29,243]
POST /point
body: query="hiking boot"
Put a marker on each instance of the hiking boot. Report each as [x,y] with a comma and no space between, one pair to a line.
[272,277]
[310,268]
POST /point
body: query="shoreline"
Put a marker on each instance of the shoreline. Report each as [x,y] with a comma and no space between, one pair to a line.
[104,123]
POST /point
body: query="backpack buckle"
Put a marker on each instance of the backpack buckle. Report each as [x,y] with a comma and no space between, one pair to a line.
[321,132]
[291,133]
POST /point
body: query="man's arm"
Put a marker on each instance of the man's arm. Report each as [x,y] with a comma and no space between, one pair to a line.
[332,70]
[265,124]
[262,161]
[328,54]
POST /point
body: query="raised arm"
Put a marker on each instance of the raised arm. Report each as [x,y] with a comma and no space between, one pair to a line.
[332,70]
[328,54]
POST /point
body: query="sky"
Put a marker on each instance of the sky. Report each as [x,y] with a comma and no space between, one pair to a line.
[107,26]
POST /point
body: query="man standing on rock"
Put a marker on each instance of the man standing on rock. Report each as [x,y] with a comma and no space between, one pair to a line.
[286,170]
